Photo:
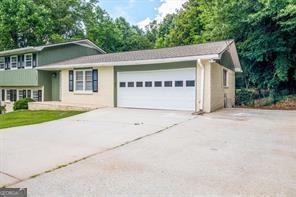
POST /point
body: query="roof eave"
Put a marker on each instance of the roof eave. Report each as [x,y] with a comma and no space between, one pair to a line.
[19,51]
[129,63]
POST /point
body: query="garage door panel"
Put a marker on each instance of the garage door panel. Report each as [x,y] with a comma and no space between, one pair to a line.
[179,98]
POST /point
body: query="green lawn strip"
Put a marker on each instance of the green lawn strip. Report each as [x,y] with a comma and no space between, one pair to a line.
[25,117]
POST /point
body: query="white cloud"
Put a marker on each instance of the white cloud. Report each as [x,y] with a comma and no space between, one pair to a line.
[168,7]
[142,24]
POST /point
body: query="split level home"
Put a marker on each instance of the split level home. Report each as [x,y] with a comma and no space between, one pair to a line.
[198,77]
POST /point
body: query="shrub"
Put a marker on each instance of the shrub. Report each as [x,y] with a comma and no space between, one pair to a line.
[22,103]
[2,109]
[244,97]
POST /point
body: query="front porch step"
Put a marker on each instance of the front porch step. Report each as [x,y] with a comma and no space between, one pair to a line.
[62,106]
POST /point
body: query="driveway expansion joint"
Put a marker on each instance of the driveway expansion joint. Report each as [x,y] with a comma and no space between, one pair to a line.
[11,176]
[98,153]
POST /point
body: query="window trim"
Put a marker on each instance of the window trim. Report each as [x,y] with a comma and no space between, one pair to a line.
[226,78]
[25,60]
[10,63]
[2,58]
[83,81]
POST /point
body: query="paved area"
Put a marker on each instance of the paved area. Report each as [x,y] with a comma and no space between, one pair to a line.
[230,152]
[30,150]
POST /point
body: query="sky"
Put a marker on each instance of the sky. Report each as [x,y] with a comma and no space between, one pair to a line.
[141,12]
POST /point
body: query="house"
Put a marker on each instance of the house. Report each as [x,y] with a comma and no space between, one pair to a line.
[198,77]
[20,78]
[194,77]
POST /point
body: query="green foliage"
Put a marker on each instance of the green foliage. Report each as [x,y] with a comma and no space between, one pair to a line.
[22,103]
[35,22]
[264,31]
[25,117]
[244,97]
[2,109]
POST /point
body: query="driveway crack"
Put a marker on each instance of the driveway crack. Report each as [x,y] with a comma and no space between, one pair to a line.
[11,176]
[100,152]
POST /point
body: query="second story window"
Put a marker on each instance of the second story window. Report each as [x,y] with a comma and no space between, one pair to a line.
[2,63]
[13,62]
[28,60]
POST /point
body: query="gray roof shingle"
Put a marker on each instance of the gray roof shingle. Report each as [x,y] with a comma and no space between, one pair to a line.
[150,54]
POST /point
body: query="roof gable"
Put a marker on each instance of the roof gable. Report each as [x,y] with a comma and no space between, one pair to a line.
[30,49]
[211,50]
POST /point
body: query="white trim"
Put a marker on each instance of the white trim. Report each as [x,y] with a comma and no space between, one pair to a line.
[128,63]
[2,63]
[202,84]
[25,60]
[83,91]
[10,63]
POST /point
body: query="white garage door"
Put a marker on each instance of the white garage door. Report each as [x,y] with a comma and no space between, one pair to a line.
[157,89]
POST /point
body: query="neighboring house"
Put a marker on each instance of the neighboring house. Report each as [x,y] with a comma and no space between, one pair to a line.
[19,77]
[195,77]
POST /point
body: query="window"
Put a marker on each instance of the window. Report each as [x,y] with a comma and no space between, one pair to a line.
[88,80]
[79,80]
[168,84]
[2,63]
[148,84]
[35,95]
[190,83]
[130,84]
[24,93]
[13,62]
[157,83]
[29,94]
[139,84]
[178,83]
[122,84]
[8,95]
[28,60]
[83,80]
[20,94]
[225,80]
[11,95]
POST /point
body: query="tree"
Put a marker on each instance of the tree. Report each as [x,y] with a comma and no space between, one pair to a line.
[23,23]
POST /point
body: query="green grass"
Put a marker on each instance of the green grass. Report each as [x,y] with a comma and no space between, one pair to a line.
[25,117]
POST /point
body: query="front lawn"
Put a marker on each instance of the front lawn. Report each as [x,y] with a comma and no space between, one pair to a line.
[26,117]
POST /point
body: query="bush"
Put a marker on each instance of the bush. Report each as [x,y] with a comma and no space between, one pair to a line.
[244,97]
[2,109]
[22,103]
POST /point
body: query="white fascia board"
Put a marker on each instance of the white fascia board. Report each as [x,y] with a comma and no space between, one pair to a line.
[129,63]
[19,51]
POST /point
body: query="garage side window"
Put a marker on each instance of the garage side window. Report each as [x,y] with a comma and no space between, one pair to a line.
[225,79]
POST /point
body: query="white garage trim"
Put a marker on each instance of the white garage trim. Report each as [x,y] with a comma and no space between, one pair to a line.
[157,89]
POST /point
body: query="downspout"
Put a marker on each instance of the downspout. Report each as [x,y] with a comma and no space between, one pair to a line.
[202,85]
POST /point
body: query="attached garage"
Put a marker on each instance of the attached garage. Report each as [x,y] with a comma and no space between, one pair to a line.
[199,77]
[157,89]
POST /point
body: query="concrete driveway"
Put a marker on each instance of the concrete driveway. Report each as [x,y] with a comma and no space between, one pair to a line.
[30,150]
[230,152]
